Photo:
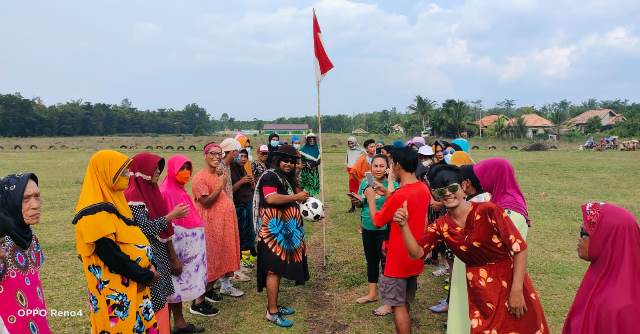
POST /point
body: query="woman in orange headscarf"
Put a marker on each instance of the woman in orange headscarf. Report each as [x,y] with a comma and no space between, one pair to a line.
[115,254]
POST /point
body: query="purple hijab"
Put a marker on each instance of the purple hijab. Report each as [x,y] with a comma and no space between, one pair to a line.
[496,176]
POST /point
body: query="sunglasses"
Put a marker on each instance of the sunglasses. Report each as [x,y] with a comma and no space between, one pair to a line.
[439,193]
[583,233]
[289,161]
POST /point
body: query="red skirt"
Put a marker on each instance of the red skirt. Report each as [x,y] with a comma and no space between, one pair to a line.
[353,183]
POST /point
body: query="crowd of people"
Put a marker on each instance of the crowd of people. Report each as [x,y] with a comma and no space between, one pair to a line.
[147,246]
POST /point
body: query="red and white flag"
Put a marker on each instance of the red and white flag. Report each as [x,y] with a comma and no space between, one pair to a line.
[323,63]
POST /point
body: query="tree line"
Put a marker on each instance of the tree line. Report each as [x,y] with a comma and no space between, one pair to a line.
[23,117]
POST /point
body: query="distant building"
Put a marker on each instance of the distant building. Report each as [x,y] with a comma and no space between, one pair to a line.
[487,121]
[286,129]
[536,125]
[608,118]
[360,132]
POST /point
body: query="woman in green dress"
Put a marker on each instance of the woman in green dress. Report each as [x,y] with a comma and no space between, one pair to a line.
[310,175]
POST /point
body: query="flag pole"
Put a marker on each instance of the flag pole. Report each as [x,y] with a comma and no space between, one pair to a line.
[324,225]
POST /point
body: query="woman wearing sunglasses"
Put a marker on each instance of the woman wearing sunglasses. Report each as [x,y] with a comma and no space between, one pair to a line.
[609,297]
[501,296]
[280,233]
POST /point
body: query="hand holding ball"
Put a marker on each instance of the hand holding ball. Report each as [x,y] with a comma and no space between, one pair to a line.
[312,209]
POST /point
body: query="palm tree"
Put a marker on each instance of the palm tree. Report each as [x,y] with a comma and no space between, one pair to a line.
[424,108]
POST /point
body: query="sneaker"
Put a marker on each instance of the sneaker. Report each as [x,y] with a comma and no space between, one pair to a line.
[231,291]
[442,307]
[441,271]
[446,287]
[279,319]
[241,277]
[283,310]
[204,309]
[212,296]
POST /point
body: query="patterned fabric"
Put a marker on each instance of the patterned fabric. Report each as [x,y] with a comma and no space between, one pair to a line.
[310,179]
[486,244]
[258,169]
[220,225]
[189,244]
[116,305]
[281,245]
[21,288]
[152,228]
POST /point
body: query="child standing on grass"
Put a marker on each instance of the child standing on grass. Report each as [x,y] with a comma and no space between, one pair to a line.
[399,282]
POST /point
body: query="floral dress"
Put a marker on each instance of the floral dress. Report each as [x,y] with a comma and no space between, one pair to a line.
[486,245]
[21,288]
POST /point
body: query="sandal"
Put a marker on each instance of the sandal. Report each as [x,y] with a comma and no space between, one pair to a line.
[365,300]
[381,311]
[190,328]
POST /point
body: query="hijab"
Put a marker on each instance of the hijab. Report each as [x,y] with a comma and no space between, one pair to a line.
[497,176]
[174,193]
[311,150]
[459,158]
[462,143]
[609,296]
[142,190]
[12,188]
[102,210]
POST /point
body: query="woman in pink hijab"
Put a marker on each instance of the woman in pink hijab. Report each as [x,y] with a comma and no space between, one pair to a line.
[608,299]
[497,176]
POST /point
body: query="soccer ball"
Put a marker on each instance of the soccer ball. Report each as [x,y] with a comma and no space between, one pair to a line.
[312,209]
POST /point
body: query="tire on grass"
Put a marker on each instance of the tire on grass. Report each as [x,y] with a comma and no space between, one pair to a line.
[192,148]
[169,147]
[33,147]
[159,147]
[52,147]
[514,147]
[475,147]
[123,147]
[180,148]
[17,147]
[492,147]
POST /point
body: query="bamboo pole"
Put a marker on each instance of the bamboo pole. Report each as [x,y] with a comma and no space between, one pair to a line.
[324,225]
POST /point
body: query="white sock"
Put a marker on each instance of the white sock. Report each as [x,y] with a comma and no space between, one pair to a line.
[225,283]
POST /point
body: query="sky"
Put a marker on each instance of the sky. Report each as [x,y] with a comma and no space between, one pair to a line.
[255,58]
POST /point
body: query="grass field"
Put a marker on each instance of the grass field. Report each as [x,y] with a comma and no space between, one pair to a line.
[555,183]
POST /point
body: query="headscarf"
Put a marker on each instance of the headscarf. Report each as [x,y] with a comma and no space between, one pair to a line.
[242,139]
[398,144]
[295,138]
[459,158]
[102,211]
[309,149]
[230,144]
[497,176]
[12,189]
[609,296]
[418,141]
[141,190]
[462,143]
[174,193]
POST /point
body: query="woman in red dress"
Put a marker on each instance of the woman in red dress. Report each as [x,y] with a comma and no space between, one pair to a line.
[501,296]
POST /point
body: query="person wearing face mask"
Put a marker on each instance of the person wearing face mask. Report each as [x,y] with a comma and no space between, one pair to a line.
[310,157]
[608,298]
[502,298]
[21,256]
[107,240]
[280,233]
[189,243]
[295,142]
[273,142]
[425,160]
[154,219]
[213,191]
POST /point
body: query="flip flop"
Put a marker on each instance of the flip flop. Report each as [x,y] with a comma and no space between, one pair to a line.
[378,313]
[365,300]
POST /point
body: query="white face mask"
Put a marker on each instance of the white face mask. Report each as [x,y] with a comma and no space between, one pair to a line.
[297,146]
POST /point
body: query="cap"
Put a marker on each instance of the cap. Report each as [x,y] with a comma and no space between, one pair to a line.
[425,150]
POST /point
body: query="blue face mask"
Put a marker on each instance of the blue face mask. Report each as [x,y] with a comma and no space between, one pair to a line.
[274,143]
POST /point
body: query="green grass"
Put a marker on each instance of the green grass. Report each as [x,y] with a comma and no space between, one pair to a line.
[555,184]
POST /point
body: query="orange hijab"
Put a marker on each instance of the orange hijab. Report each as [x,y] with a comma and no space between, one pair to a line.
[102,210]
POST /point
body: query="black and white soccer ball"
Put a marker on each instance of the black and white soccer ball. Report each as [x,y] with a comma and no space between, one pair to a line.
[312,209]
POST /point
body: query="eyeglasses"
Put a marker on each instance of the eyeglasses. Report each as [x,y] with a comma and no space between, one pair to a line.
[441,192]
[214,154]
[583,233]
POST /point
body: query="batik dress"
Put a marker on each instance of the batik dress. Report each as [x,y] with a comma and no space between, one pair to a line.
[21,288]
[280,233]
[310,175]
[486,244]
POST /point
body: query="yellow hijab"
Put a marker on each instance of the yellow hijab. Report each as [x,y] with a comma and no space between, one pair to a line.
[98,196]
